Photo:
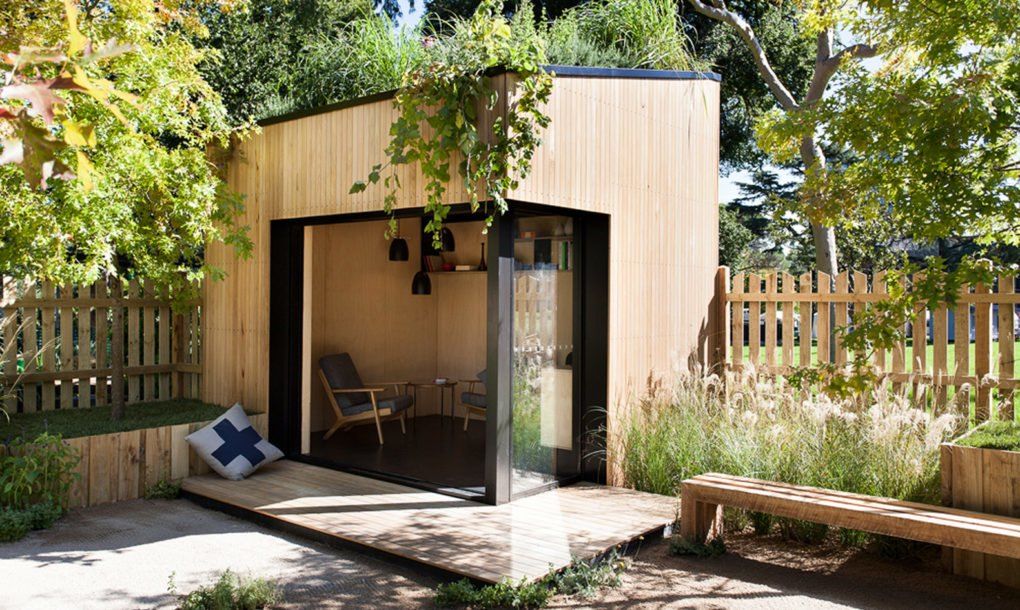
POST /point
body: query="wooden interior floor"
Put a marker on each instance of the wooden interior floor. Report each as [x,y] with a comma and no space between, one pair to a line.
[523,539]
[434,450]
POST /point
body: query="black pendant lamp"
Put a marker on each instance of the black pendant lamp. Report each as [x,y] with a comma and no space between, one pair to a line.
[398,247]
[446,237]
[421,284]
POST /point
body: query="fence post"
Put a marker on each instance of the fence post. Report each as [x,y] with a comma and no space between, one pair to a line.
[721,325]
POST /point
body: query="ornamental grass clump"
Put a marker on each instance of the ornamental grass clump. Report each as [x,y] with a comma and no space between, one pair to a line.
[761,427]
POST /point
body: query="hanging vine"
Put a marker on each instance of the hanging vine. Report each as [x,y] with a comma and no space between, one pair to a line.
[439,105]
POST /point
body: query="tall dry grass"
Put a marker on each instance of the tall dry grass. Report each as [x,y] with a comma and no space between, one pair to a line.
[757,426]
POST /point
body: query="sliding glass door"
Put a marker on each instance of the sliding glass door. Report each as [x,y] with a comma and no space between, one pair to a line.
[543,403]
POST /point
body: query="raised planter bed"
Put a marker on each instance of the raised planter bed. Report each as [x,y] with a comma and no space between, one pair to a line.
[121,465]
[985,480]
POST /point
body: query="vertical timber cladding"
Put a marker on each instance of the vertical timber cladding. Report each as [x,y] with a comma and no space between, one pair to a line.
[642,150]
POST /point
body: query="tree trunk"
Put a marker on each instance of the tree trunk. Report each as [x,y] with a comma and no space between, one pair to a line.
[117,350]
[813,157]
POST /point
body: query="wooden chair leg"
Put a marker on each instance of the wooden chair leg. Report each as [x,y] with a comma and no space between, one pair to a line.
[467,415]
[378,424]
[699,521]
[403,427]
[332,430]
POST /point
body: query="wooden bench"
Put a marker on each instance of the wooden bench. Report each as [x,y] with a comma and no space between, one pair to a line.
[703,497]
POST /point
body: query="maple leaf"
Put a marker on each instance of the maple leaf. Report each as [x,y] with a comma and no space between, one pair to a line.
[40,95]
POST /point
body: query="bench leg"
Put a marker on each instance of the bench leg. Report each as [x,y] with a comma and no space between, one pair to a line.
[699,521]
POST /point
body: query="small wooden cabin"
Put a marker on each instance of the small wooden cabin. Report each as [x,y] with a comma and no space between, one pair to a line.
[601,276]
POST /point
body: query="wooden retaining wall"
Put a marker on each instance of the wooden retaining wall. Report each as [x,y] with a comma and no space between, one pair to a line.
[61,337]
[785,306]
[988,481]
[122,465]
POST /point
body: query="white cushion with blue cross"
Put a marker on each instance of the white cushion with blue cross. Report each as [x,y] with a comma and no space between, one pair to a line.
[231,446]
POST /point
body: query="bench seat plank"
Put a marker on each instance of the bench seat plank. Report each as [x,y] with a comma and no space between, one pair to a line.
[915,521]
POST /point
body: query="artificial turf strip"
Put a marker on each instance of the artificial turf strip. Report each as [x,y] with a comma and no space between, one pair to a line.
[994,435]
[72,423]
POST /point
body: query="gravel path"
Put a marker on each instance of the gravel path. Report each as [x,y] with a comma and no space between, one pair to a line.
[122,556]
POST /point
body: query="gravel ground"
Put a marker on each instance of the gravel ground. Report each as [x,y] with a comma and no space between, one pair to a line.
[122,556]
[776,574]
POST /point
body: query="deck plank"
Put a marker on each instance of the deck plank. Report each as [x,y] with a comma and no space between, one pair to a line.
[523,539]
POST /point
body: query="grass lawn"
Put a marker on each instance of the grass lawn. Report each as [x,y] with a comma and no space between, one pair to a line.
[995,435]
[73,423]
[908,357]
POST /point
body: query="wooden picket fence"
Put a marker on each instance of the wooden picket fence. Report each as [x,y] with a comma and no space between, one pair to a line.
[969,348]
[57,346]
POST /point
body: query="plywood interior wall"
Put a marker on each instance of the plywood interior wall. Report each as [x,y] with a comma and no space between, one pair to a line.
[362,304]
[643,151]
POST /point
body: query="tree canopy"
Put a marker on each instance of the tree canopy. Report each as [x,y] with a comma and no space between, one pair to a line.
[105,99]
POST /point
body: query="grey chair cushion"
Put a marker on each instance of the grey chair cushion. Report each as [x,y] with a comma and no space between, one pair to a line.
[483,376]
[474,399]
[342,375]
[395,403]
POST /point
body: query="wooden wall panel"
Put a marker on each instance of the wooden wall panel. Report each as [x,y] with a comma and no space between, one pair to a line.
[362,305]
[644,152]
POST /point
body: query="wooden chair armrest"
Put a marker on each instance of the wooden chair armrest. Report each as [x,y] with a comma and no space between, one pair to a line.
[356,390]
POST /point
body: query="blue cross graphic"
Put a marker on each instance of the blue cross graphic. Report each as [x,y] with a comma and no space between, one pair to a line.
[237,442]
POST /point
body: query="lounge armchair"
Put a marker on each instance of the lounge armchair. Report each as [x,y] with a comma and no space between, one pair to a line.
[472,401]
[355,402]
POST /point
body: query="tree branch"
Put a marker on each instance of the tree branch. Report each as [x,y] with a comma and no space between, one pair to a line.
[720,13]
[826,64]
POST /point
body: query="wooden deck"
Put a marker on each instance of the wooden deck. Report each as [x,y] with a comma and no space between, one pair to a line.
[523,539]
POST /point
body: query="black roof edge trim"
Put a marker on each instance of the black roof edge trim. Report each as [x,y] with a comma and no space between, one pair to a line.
[558,71]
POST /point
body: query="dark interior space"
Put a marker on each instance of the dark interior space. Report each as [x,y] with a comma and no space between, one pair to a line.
[435,450]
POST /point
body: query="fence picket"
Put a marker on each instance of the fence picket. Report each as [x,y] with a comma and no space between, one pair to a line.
[47,347]
[824,329]
[66,334]
[85,358]
[149,345]
[754,321]
[788,337]
[934,376]
[860,288]
[878,287]
[30,353]
[961,351]
[164,351]
[102,342]
[1006,351]
[841,317]
[982,352]
[940,351]
[64,342]
[770,320]
[806,321]
[737,322]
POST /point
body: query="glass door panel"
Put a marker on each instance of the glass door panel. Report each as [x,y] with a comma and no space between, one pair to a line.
[543,438]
